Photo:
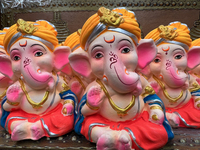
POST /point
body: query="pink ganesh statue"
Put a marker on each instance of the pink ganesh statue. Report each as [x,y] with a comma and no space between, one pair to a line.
[168,74]
[39,103]
[119,109]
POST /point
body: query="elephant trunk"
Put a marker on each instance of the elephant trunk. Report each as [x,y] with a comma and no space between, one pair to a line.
[120,79]
[36,78]
[174,77]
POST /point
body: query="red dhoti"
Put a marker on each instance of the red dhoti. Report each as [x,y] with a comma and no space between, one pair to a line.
[52,122]
[189,116]
[147,135]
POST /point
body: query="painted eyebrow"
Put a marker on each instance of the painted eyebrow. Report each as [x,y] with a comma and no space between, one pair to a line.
[126,40]
[96,46]
[14,49]
[2,53]
[178,49]
[38,45]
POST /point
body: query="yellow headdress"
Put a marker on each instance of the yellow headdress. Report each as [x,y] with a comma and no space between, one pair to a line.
[119,20]
[196,42]
[40,30]
[73,40]
[2,35]
[175,33]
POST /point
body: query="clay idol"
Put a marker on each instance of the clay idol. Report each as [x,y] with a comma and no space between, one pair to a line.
[120,109]
[39,103]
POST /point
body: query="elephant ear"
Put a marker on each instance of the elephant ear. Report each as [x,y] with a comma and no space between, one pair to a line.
[6,66]
[61,60]
[79,62]
[146,51]
[193,57]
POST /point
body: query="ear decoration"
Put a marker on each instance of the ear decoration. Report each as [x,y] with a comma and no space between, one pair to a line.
[6,66]
[193,57]
[146,51]
[79,62]
[61,54]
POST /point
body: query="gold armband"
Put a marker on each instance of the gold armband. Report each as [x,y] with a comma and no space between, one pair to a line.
[196,87]
[12,103]
[91,107]
[148,91]
[156,107]
[65,87]
[68,101]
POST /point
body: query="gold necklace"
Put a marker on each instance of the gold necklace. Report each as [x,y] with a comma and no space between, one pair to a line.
[120,111]
[3,94]
[172,100]
[34,104]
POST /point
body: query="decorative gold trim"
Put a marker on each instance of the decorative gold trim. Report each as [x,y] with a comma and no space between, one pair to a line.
[196,87]
[12,103]
[172,100]
[91,107]
[68,101]
[196,75]
[167,33]
[197,99]
[109,17]
[34,104]
[25,27]
[120,111]
[198,105]
[3,94]
[156,107]
[148,91]
[65,87]
[80,81]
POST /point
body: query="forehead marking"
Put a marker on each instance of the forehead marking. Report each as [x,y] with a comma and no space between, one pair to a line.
[165,50]
[23,45]
[110,41]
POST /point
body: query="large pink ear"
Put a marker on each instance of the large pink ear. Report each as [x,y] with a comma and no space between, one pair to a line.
[79,62]
[6,66]
[146,51]
[61,54]
[193,57]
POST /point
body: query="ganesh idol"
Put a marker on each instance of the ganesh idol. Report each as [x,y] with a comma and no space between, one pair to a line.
[168,74]
[119,106]
[39,103]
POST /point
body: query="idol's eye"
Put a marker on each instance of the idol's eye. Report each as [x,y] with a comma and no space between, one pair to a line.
[98,55]
[125,50]
[16,58]
[156,60]
[38,54]
[178,56]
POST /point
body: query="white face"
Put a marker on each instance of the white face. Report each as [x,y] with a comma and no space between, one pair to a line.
[31,58]
[167,55]
[110,48]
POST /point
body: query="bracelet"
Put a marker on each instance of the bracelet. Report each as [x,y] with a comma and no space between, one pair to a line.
[12,103]
[156,107]
[91,107]
[197,99]
[68,101]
